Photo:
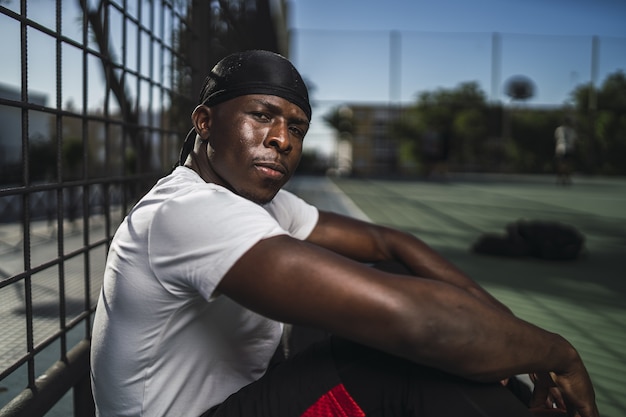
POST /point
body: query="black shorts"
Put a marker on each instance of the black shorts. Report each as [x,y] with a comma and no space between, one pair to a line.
[339,378]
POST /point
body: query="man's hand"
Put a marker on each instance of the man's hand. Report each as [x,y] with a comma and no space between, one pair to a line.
[568,393]
[545,393]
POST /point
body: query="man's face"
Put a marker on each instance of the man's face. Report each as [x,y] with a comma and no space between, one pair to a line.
[255,144]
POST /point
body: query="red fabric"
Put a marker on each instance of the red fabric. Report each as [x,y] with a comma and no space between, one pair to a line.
[335,403]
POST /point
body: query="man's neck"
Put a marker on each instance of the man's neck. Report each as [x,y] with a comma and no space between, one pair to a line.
[198,161]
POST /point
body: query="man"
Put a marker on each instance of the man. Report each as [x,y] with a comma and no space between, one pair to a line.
[565,140]
[208,265]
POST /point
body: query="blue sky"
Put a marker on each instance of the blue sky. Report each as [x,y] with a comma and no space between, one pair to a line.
[342,47]
[556,17]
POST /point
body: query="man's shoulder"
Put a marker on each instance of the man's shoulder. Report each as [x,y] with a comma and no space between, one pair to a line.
[185,183]
[285,203]
[180,177]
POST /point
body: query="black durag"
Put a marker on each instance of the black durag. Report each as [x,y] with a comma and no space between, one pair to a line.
[250,72]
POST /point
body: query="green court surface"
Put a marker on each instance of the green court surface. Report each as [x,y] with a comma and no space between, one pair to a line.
[584,300]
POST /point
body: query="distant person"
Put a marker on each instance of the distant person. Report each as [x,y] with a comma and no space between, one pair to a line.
[565,141]
[205,269]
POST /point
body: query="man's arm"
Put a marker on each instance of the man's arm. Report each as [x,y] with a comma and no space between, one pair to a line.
[427,321]
[367,242]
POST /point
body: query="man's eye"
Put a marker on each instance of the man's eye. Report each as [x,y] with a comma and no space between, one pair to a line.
[261,116]
[297,132]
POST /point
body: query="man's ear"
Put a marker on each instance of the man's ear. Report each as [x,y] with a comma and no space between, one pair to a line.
[201,118]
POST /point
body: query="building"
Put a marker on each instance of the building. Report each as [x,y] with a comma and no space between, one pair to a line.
[369,148]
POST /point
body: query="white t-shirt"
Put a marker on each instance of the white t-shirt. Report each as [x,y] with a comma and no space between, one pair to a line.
[163,343]
[565,138]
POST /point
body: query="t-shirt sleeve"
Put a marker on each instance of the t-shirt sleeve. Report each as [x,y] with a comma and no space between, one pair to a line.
[196,238]
[293,214]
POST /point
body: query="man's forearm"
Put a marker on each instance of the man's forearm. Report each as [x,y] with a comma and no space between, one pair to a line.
[460,334]
[366,242]
[424,261]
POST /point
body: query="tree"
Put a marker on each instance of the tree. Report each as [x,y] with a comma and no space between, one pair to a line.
[520,88]
[601,124]
[459,115]
[531,145]
[341,119]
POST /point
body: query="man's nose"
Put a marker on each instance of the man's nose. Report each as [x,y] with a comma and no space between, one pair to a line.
[278,137]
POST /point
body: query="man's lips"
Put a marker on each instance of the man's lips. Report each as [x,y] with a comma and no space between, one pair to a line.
[271,169]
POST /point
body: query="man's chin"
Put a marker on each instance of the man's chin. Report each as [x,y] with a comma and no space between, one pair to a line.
[259,198]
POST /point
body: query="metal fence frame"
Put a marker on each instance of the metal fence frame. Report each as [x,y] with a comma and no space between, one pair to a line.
[116,192]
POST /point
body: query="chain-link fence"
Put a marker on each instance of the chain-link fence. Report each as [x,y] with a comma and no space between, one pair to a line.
[87,97]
